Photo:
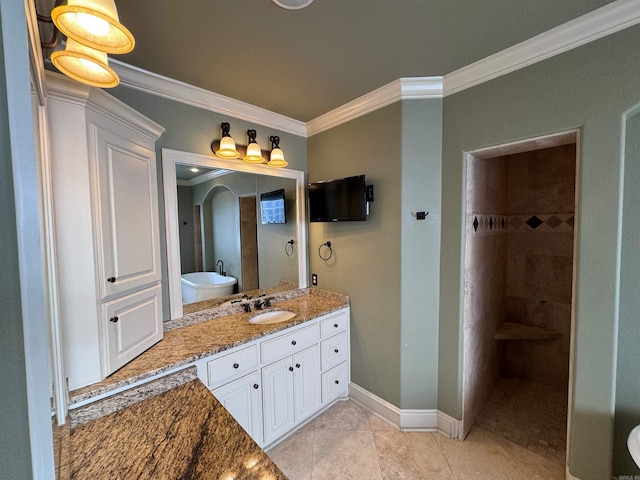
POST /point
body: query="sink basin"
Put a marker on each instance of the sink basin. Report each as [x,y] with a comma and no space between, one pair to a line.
[273,316]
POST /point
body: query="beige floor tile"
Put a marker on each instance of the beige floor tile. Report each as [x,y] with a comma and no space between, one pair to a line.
[348,456]
[410,456]
[533,466]
[344,416]
[479,457]
[377,424]
[294,456]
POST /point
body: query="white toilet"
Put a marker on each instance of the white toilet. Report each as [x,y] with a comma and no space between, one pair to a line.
[633,444]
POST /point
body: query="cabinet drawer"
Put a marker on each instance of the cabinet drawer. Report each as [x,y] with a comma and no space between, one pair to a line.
[232,365]
[334,350]
[335,383]
[289,344]
[334,324]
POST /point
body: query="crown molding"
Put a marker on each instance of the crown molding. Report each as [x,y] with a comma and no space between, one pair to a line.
[401,89]
[604,21]
[149,82]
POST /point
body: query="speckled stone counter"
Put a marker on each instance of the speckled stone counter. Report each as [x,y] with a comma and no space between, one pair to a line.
[181,433]
[203,337]
[172,426]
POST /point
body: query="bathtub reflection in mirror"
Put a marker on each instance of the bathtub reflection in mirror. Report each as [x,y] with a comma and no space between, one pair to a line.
[220,229]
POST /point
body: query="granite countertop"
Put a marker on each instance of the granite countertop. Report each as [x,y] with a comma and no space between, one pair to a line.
[203,337]
[172,426]
[183,432]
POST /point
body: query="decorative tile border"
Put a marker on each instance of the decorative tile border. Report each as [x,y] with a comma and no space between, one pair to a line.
[493,223]
[553,222]
[487,223]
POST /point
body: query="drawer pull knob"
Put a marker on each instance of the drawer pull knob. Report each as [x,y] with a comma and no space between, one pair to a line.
[293,342]
[114,319]
[235,365]
[291,369]
[335,325]
[297,365]
[111,279]
[337,382]
[336,350]
[256,386]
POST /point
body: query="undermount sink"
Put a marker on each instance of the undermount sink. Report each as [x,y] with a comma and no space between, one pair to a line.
[273,316]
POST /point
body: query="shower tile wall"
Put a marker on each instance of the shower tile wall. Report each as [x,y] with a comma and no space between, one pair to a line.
[541,204]
[485,281]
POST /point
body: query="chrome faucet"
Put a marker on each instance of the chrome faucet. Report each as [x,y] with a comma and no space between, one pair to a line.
[220,265]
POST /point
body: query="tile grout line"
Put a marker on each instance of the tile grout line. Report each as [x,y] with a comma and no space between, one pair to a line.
[453,475]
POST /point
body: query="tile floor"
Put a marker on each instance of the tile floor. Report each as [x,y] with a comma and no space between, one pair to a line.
[348,443]
[529,414]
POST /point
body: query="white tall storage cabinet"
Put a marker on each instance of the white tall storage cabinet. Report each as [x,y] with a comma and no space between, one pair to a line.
[103,169]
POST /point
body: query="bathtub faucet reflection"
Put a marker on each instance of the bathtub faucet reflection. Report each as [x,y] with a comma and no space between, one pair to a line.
[220,265]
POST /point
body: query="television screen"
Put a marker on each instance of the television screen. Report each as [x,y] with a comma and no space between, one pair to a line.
[272,207]
[338,200]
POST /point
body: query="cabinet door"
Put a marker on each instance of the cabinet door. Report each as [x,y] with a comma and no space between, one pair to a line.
[307,385]
[243,400]
[130,325]
[277,397]
[127,234]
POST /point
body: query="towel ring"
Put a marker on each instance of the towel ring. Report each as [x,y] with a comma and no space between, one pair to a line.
[287,250]
[328,245]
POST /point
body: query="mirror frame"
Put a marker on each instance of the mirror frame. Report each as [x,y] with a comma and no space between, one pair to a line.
[170,188]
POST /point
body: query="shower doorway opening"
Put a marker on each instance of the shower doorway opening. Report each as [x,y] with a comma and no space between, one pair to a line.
[519,284]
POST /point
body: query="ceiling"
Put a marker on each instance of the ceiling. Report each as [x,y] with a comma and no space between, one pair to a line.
[304,63]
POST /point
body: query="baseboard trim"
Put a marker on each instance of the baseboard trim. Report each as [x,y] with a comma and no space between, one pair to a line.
[426,420]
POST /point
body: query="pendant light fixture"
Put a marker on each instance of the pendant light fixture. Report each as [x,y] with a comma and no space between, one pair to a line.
[93,23]
[227,148]
[276,158]
[85,65]
[254,153]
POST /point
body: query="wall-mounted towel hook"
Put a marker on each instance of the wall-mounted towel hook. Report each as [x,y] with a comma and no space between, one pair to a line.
[328,245]
[287,250]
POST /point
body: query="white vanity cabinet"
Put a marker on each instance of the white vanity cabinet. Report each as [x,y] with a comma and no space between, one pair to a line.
[105,215]
[274,384]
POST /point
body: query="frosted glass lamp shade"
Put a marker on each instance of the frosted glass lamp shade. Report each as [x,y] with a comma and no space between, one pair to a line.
[227,149]
[93,23]
[254,154]
[277,158]
[85,65]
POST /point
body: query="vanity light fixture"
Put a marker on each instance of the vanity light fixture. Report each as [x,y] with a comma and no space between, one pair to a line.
[227,149]
[95,24]
[85,65]
[276,159]
[254,153]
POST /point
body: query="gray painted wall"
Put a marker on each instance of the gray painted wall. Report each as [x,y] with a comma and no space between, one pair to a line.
[590,88]
[421,190]
[185,222]
[366,255]
[15,454]
[627,379]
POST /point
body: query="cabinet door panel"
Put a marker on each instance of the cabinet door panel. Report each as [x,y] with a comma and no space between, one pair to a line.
[244,402]
[277,385]
[128,237]
[307,385]
[131,325]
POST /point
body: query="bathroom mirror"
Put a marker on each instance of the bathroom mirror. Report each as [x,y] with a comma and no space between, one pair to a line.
[218,191]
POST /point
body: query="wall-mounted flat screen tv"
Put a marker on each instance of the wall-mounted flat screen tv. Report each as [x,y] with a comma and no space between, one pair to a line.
[338,200]
[272,207]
